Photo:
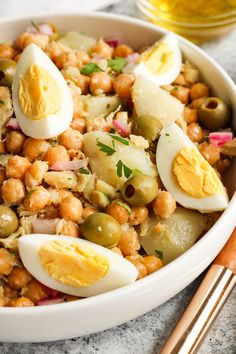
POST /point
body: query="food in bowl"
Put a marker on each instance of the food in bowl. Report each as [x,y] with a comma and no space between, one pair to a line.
[132,164]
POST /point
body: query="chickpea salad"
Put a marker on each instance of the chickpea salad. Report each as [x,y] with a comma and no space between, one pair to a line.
[111,162]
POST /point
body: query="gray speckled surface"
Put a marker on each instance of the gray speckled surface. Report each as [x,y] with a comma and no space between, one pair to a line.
[146,334]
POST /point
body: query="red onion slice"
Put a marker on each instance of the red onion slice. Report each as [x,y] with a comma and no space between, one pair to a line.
[220,138]
[45,226]
[69,165]
[13,124]
[56,300]
[120,127]
[112,41]
[44,28]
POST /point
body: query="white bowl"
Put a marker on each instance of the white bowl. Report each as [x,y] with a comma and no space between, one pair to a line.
[72,319]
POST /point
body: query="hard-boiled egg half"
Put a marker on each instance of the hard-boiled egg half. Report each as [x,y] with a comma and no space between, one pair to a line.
[74,266]
[161,63]
[41,98]
[186,174]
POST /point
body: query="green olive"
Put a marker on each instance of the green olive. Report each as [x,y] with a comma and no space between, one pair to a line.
[102,229]
[140,190]
[7,72]
[214,113]
[8,221]
[146,126]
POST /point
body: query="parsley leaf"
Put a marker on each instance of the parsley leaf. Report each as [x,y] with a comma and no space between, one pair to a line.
[159,254]
[105,148]
[124,205]
[2,102]
[90,68]
[118,138]
[116,64]
[30,193]
[121,167]
[35,26]
[84,171]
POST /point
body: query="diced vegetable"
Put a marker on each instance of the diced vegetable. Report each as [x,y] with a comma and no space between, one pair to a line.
[105,153]
[220,138]
[172,236]
[100,105]
[69,165]
[77,41]
[149,99]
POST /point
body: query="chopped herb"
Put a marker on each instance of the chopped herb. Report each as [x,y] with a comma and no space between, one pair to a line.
[83,33]
[159,254]
[69,179]
[121,167]
[175,88]
[2,102]
[90,68]
[30,193]
[105,148]
[113,131]
[167,134]
[124,205]
[84,171]
[117,64]
[136,172]
[35,26]
[118,138]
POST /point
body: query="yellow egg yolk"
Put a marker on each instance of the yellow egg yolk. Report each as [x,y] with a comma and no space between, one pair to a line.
[194,174]
[39,93]
[73,264]
[158,59]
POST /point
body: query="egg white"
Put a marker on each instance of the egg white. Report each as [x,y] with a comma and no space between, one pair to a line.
[53,124]
[171,141]
[169,76]
[121,272]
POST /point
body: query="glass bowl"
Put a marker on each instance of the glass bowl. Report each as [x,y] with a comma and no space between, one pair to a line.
[198,28]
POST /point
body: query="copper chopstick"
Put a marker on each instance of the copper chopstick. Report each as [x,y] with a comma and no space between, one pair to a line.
[206,303]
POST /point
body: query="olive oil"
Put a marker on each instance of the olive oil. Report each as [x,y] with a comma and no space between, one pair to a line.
[195,19]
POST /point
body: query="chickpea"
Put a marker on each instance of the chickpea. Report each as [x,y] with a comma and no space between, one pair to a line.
[100,83]
[181,93]
[27,38]
[9,292]
[35,148]
[18,278]
[88,210]
[164,205]
[2,302]
[122,51]
[210,152]
[20,302]
[152,263]
[66,59]
[55,154]
[15,141]
[122,85]
[71,209]
[53,50]
[6,262]
[63,194]
[138,215]
[129,243]
[3,149]
[180,80]
[103,49]
[118,212]
[35,291]
[79,124]
[2,175]
[70,228]
[6,52]
[17,167]
[13,191]
[138,263]
[37,199]
[190,115]
[199,90]
[71,139]
[34,176]
[83,83]
[222,165]
[195,104]
[195,132]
